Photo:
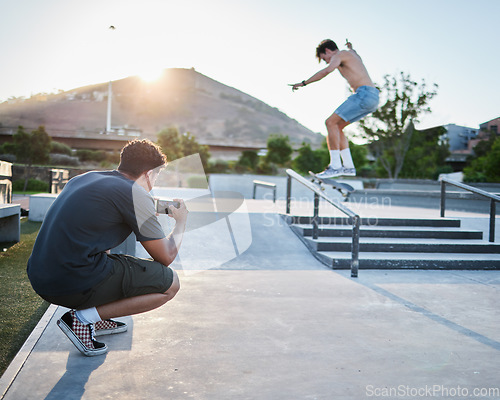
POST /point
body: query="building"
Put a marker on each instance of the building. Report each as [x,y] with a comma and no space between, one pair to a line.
[462,141]
[491,126]
[458,137]
[486,129]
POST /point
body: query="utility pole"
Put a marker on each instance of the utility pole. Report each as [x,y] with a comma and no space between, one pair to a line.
[108,119]
[110,99]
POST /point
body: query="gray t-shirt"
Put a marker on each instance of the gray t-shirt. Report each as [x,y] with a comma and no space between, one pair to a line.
[95,212]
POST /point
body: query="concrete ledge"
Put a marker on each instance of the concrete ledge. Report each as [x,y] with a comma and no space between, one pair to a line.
[10,222]
[15,366]
[39,205]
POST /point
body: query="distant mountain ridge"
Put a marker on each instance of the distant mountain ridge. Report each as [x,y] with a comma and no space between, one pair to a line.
[213,112]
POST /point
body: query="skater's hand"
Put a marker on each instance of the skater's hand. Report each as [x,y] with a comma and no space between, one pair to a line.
[348,44]
[295,86]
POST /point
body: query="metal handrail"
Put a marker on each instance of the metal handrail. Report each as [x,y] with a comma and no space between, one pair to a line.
[264,184]
[493,199]
[317,194]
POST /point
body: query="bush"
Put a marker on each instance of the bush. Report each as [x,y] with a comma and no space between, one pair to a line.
[7,152]
[359,154]
[310,160]
[444,169]
[248,160]
[34,185]
[8,148]
[60,148]
[279,150]
[113,158]
[474,176]
[485,168]
[367,171]
[100,156]
[266,168]
[218,167]
[91,155]
[64,159]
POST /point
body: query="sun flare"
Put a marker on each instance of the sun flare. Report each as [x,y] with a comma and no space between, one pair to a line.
[151,75]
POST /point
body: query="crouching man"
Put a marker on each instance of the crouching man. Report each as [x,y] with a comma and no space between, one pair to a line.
[71,266]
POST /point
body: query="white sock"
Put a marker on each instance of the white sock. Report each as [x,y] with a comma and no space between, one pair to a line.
[88,316]
[346,158]
[335,159]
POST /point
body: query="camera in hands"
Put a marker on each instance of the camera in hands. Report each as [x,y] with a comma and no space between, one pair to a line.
[162,206]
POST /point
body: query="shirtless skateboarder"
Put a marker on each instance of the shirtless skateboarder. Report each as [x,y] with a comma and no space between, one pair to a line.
[364,101]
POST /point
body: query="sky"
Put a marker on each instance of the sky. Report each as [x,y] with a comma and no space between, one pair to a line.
[259,47]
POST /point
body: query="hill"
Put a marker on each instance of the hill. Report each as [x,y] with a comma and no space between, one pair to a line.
[211,111]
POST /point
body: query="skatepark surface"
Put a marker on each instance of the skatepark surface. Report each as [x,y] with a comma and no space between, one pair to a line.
[274,323]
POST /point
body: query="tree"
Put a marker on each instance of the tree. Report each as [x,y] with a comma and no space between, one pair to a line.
[189,146]
[174,145]
[279,150]
[311,160]
[40,146]
[249,159]
[170,143]
[31,148]
[487,167]
[426,155]
[359,154]
[390,128]
[22,144]
[484,146]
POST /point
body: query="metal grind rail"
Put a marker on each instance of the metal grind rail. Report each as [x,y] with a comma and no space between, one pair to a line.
[493,199]
[353,217]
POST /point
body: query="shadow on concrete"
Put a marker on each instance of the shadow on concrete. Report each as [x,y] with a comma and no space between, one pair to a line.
[71,386]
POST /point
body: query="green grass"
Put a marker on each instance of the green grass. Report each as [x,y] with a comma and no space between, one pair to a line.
[20,306]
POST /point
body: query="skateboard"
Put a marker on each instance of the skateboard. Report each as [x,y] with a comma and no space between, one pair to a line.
[343,188]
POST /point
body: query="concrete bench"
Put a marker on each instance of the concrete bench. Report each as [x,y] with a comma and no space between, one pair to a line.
[264,184]
[39,204]
[10,223]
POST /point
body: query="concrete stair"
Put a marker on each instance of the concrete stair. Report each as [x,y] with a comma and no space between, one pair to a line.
[397,243]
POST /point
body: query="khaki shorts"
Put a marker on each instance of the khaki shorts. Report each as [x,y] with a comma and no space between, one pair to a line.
[130,277]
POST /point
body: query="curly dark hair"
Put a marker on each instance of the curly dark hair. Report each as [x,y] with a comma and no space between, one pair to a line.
[325,44]
[139,156]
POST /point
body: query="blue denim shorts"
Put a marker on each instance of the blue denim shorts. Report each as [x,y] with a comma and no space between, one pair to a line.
[363,102]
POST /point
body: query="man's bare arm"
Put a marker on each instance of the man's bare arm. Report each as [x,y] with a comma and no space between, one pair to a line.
[165,250]
[334,64]
[349,46]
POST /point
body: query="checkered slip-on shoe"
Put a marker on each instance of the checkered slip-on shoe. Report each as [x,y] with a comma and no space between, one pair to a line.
[82,336]
[109,327]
